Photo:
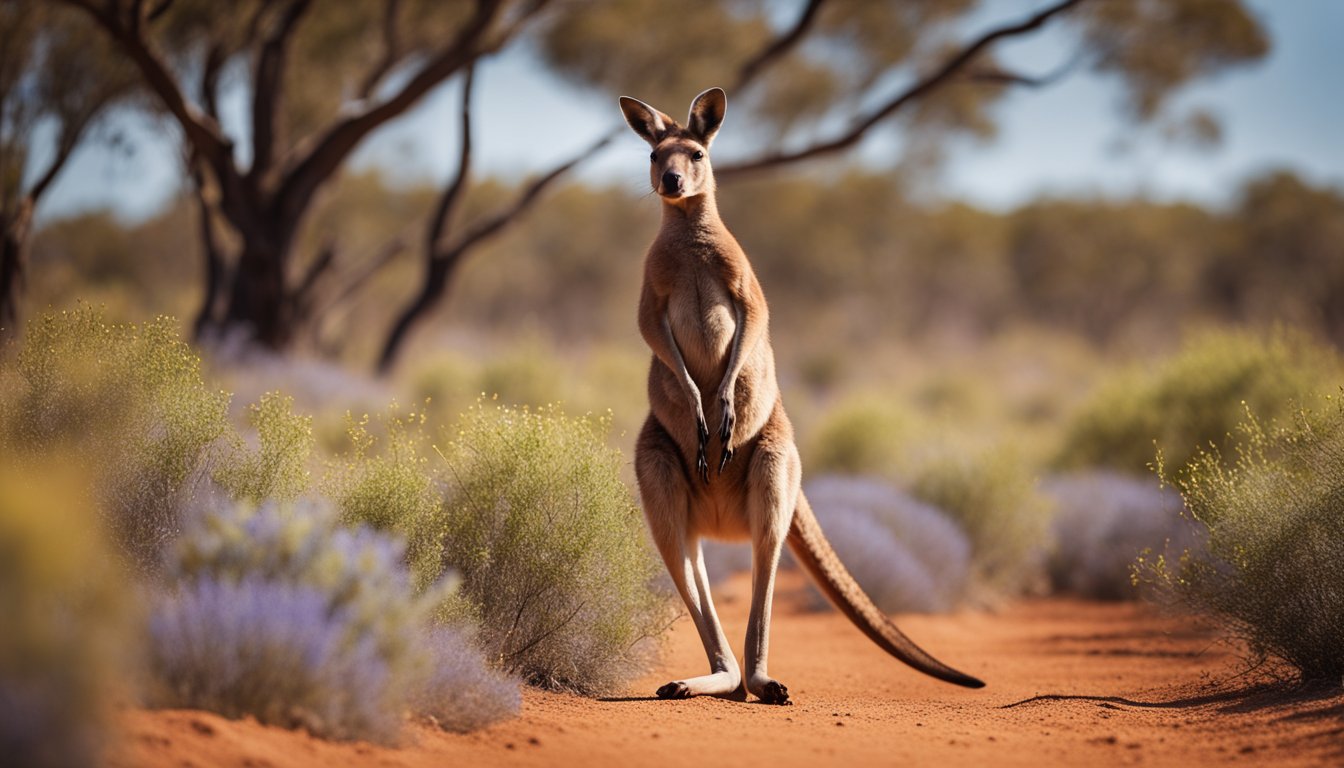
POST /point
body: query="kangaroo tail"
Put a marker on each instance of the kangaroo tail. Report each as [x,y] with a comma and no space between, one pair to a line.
[824,566]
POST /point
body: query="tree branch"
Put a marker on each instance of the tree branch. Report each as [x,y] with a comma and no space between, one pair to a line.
[214,64]
[495,224]
[210,250]
[326,257]
[942,75]
[158,10]
[316,165]
[69,139]
[452,194]
[1004,77]
[268,85]
[391,50]
[779,46]
[204,134]
[441,262]
[381,258]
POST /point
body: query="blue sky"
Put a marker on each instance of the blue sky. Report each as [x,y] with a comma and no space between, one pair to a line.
[1287,111]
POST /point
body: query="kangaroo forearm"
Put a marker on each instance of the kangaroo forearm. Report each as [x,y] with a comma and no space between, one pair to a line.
[749,333]
[678,364]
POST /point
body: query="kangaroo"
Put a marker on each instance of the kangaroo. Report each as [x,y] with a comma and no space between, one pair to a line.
[702,313]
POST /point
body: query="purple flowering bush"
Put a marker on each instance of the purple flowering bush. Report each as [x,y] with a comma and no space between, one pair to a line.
[461,693]
[288,617]
[905,554]
[1103,522]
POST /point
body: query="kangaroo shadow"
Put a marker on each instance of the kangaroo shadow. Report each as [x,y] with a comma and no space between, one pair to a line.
[1320,703]
[739,695]
[1240,700]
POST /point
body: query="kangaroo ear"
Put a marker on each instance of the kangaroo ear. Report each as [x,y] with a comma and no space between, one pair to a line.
[649,123]
[707,115]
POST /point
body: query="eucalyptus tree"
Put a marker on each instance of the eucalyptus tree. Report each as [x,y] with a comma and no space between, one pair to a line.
[319,76]
[57,75]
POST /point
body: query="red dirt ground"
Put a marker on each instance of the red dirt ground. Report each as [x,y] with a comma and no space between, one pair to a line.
[1069,683]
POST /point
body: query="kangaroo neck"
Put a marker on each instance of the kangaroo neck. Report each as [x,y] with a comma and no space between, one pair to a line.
[698,214]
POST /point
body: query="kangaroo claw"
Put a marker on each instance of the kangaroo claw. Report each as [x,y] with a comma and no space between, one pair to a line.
[725,458]
[702,463]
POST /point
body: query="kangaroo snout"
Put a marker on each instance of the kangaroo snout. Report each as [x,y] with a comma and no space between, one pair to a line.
[672,183]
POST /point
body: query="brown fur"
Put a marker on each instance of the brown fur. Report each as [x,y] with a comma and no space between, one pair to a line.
[716,456]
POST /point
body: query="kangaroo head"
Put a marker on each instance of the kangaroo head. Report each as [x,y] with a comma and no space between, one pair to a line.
[679,163]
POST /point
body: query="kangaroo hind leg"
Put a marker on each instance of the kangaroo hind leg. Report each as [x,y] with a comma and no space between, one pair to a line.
[772,493]
[664,488]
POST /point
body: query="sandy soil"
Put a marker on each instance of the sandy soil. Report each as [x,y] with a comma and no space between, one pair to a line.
[1069,683]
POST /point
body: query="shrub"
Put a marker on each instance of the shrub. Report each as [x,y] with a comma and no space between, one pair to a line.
[992,498]
[386,481]
[131,400]
[906,555]
[298,622]
[1195,399]
[550,546]
[1272,571]
[861,436]
[60,648]
[461,693]
[1103,521]
[277,468]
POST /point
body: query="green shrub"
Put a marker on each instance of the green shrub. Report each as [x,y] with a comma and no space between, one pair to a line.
[1272,566]
[862,436]
[386,480]
[1196,399]
[63,618]
[550,547]
[990,494]
[131,403]
[277,468]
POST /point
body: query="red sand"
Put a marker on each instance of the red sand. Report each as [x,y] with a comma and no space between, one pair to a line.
[1069,683]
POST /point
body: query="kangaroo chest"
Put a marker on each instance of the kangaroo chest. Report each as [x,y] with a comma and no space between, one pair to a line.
[703,318]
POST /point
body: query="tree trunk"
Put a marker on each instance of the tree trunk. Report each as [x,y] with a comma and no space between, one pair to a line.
[13,265]
[258,302]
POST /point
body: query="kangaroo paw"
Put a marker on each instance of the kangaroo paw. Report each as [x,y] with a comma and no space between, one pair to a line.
[775,693]
[701,462]
[675,690]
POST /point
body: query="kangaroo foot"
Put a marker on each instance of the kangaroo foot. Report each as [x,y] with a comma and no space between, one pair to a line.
[675,690]
[775,693]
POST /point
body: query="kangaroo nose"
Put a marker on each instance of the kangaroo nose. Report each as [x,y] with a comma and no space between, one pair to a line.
[671,181]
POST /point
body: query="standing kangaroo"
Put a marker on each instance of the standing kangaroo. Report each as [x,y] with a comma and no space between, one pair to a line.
[702,312]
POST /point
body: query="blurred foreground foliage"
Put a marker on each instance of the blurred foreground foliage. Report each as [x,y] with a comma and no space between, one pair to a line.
[64,645]
[130,402]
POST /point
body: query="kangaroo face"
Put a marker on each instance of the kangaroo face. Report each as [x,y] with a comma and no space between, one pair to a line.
[679,163]
[679,167]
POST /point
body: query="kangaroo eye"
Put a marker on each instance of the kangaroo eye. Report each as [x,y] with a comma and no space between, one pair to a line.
[698,155]
[653,157]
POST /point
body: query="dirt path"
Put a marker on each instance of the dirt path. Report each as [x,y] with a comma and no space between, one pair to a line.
[1070,683]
